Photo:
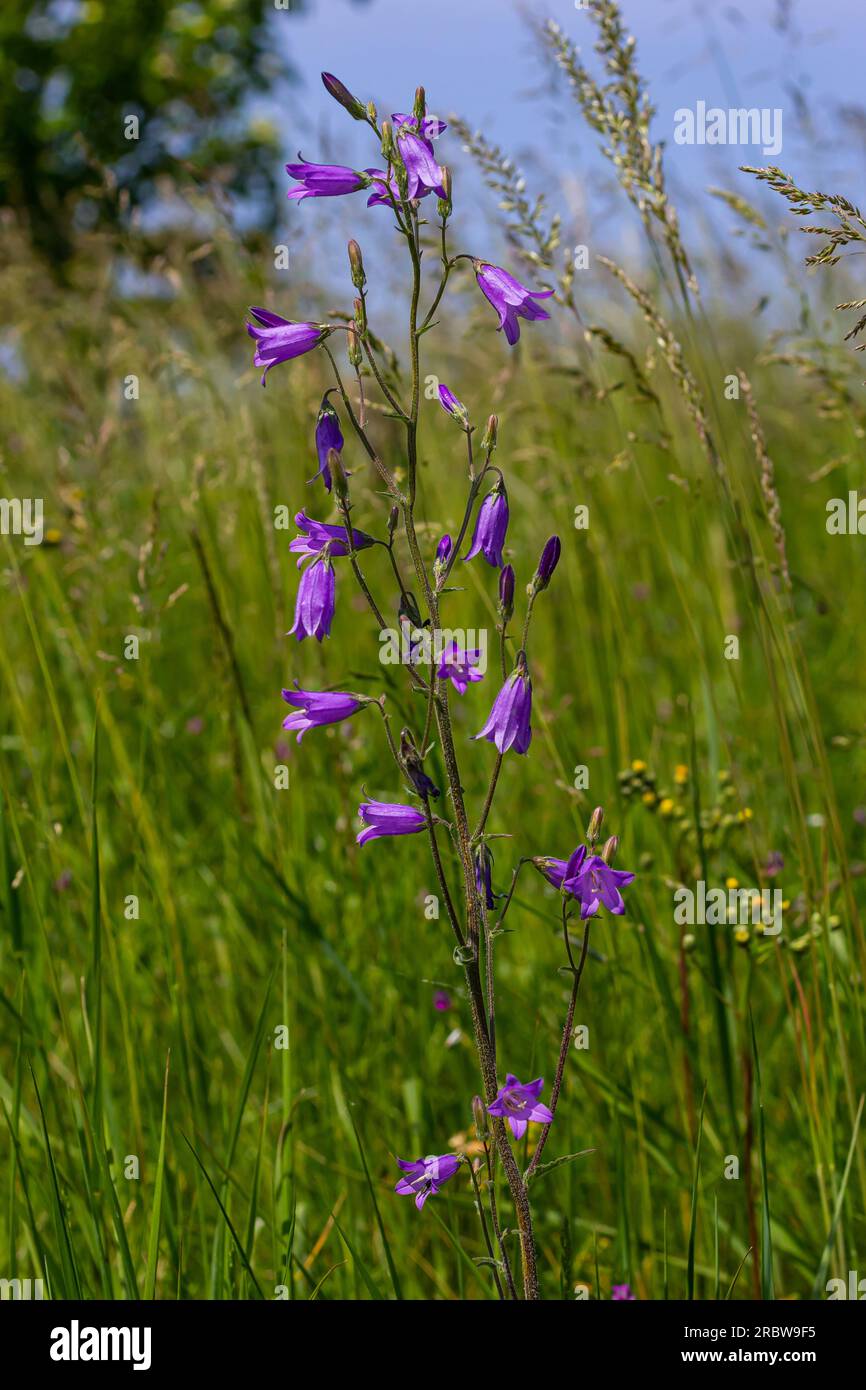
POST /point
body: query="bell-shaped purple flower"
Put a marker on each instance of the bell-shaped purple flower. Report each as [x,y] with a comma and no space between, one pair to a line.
[313,708]
[424,174]
[315,535]
[425,1176]
[388,818]
[510,299]
[324,180]
[518,1104]
[596,883]
[328,436]
[491,525]
[278,339]
[314,606]
[509,723]
[459,667]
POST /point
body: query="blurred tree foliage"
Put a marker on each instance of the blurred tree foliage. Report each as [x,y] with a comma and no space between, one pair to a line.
[72,73]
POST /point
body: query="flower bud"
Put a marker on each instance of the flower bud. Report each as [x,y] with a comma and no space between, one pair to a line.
[488,440]
[353,347]
[335,88]
[548,562]
[506,594]
[360,316]
[393,518]
[450,404]
[443,551]
[479,1115]
[419,110]
[444,205]
[338,475]
[356,265]
[387,140]
[414,768]
[610,849]
[594,827]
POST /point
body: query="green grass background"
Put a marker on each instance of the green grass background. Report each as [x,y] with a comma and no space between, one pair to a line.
[262,1166]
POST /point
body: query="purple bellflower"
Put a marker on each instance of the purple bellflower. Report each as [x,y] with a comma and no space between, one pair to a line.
[313,708]
[324,180]
[589,879]
[518,1104]
[279,340]
[314,606]
[388,818]
[315,535]
[425,1176]
[621,1293]
[491,525]
[424,174]
[597,883]
[509,722]
[459,667]
[510,299]
[328,436]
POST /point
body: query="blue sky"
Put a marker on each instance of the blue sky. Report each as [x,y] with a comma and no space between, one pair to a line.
[479,58]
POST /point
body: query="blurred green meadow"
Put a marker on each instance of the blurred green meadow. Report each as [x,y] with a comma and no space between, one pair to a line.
[219,1021]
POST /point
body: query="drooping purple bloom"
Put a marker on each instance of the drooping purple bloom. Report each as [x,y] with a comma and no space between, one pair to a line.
[509,723]
[328,436]
[449,402]
[324,180]
[388,818]
[425,1176]
[622,1293]
[548,562]
[313,708]
[315,535]
[596,883]
[314,606]
[510,299]
[518,1104]
[491,525]
[278,339]
[443,550]
[459,667]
